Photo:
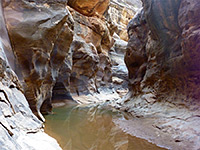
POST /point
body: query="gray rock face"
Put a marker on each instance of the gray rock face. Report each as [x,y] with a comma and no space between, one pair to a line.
[20,129]
[159,41]
[163,62]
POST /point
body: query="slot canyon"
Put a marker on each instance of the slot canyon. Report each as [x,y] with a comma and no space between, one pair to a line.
[99,74]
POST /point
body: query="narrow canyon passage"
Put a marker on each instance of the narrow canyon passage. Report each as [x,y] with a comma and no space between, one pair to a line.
[92,127]
[105,74]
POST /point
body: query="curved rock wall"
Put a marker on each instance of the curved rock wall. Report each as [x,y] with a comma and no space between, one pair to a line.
[63,51]
[163,61]
[20,129]
[162,54]
[40,33]
[90,67]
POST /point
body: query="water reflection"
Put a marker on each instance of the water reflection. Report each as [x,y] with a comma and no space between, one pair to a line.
[91,128]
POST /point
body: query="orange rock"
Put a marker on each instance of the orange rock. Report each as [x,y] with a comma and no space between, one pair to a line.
[89,8]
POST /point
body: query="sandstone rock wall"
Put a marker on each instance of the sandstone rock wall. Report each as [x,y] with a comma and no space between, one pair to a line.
[162,58]
[63,51]
[56,50]
[162,55]
[90,47]
[90,67]
[89,8]
[20,129]
[120,13]
[41,34]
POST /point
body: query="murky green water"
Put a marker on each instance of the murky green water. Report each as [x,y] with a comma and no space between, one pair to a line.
[91,128]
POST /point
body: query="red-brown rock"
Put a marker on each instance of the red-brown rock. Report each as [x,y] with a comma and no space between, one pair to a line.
[89,8]
[41,33]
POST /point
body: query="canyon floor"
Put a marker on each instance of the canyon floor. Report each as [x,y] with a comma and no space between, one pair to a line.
[164,124]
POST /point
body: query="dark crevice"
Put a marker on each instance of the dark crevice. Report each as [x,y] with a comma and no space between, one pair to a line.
[9,132]
[8,101]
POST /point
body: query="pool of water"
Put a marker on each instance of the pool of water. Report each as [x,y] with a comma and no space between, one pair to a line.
[91,128]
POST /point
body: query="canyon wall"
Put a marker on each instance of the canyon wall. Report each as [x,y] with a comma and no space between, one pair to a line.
[99,29]
[57,49]
[20,129]
[162,54]
[62,48]
[41,34]
[162,58]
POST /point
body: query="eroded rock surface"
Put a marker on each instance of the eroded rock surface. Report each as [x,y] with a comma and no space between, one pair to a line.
[163,62]
[120,12]
[41,34]
[158,42]
[63,51]
[89,8]
[20,129]
[96,52]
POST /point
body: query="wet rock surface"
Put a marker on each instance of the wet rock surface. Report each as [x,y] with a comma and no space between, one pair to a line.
[162,59]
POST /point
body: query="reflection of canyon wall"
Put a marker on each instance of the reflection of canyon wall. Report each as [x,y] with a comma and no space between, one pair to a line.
[19,128]
[163,51]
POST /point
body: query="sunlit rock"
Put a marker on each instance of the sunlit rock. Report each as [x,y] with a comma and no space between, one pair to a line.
[89,8]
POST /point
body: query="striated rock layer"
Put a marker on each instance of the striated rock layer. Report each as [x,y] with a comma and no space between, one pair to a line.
[20,129]
[120,12]
[162,54]
[94,59]
[163,62]
[41,34]
[63,51]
